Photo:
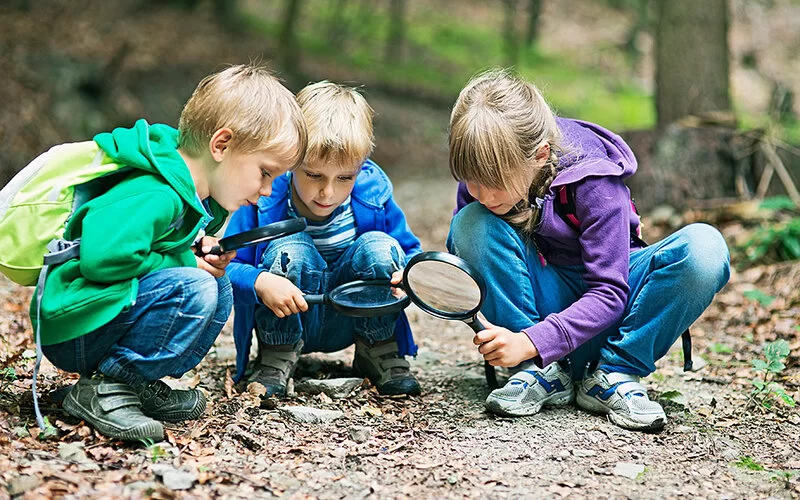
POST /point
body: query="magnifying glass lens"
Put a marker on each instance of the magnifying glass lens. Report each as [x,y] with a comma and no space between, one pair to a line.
[444,287]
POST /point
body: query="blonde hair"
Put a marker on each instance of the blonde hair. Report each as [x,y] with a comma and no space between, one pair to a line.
[248,99]
[498,124]
[339,122]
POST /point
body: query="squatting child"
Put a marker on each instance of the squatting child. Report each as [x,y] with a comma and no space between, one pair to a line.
[568,292]
[138,304]
[355,231]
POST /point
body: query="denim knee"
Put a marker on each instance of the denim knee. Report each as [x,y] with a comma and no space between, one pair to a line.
[706,260]
[474,228]
[224,298]
[297,259]
[200,291]
[376,255]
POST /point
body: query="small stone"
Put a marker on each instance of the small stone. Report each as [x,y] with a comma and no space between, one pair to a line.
[627,469]
[310,415]
[359,434]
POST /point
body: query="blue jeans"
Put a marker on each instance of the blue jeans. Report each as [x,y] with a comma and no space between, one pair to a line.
[176,318]
[672,282]
[373,255]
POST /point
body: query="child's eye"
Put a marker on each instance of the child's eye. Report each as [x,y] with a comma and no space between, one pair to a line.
[265,173]
[313,176]
[345,178]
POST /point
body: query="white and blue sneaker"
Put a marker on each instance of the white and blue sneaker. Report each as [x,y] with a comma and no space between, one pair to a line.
[531,388]
[623,399]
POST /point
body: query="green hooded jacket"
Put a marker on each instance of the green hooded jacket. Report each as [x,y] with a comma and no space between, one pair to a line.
[125,233]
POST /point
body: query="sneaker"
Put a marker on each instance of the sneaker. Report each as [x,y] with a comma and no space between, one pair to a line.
[531,388]
[113,408]
[161,402]
[275,365]
[389,372]
[623,399]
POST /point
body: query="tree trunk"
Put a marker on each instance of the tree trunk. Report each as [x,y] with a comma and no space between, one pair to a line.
[510,43]
[397,30]
[288,41]
[534,11]
[691,59]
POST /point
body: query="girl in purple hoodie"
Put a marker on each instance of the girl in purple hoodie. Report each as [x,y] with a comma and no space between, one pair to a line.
[585,300]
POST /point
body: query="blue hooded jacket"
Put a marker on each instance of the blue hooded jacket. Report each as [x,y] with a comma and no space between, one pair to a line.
[374,209]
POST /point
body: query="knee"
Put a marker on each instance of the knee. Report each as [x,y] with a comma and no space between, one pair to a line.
[473,227]
[292,256]
[707,257]
[378,252]
[200,291]
[224,295]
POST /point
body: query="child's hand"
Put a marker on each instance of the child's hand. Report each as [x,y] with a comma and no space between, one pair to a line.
[280,295]
[214,264]
[502,347]
[397,277]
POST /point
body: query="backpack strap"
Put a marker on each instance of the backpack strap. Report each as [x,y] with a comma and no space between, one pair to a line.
[564,206]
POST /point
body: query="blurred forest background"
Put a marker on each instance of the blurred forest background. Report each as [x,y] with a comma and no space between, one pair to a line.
[705,92]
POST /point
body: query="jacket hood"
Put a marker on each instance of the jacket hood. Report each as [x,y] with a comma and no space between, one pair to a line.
[591,150]
[372,188]
[153,148]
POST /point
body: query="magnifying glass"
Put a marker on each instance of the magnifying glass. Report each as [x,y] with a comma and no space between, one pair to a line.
[439,283]
[362,299]
[446,286]
[258,235]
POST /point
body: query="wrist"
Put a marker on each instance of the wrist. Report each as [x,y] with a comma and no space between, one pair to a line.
[531,351]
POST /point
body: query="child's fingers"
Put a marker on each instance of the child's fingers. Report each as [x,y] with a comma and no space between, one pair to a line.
[483,336]
[300,303]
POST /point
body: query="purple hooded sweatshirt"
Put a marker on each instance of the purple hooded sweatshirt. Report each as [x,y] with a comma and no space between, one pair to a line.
[596,161]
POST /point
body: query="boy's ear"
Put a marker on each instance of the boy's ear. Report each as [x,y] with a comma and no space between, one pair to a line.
[220,142]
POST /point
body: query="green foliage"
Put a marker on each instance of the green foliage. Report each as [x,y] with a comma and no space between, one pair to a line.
[775,242]
[759,296]
[49,431]
[155,450]
[443,50]
[746,462]
[765,389]
[718,348]
[7,376]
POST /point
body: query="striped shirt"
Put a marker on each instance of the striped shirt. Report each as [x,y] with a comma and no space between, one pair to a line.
[333,235]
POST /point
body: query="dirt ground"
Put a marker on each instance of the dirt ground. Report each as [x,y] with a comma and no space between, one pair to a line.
[442,444]
[717,442]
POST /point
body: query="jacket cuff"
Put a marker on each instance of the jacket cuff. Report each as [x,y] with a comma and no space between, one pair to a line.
[550,339]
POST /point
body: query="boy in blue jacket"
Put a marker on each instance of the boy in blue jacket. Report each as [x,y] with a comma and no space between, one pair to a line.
[355,231]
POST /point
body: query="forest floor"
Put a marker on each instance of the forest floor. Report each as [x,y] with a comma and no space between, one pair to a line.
[719,442]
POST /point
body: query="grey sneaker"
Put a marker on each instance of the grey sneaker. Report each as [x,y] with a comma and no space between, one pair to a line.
[161,402]
[275,365]
[623,399]
[385,368]
[531,388]
[113,408]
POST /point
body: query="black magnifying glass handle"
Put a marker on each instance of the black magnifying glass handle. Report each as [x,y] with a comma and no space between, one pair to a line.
[489,370]
[314,300]
[475,324]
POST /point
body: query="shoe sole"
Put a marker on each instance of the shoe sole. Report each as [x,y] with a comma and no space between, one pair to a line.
[499,406]
[150,430]
[180,416]
[589,403]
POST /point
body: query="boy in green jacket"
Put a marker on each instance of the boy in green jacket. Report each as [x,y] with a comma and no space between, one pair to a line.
[138,304]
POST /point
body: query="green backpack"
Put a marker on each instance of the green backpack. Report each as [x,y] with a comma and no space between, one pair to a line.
[35,208]
[36,205]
